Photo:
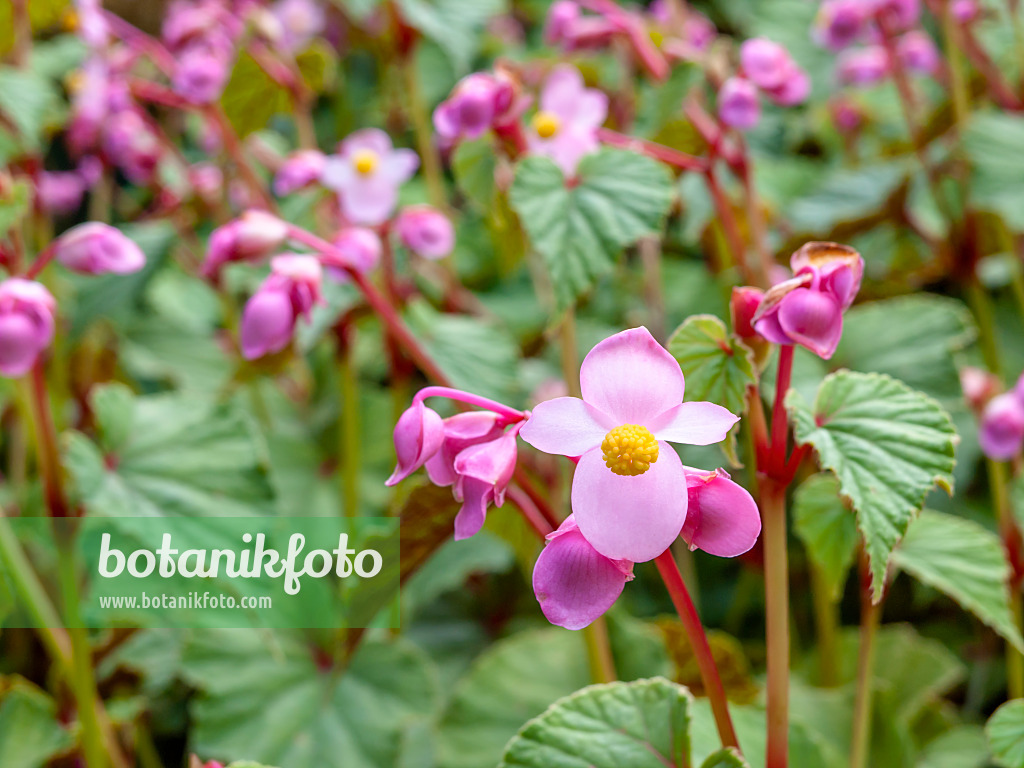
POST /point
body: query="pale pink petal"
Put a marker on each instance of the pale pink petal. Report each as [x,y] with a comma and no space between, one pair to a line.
[566,426]
[476,494]
[630,518]
[337,173]
[368,201]
[371,139]
[573,582]
[697,423]
[722,518]
[561,91]
[631,377]
[399,166]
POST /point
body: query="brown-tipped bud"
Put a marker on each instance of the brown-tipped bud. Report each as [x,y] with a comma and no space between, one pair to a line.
[742,307]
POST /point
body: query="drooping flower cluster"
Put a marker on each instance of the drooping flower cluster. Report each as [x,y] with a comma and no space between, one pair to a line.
[857,30]
[631,495]
[765,67]
[808,308]
[565,126]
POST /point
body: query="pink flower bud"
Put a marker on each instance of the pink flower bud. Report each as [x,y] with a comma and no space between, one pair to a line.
[918,53]
[425,231]
[130,144]
[254,235]
[418,436]
[267,323]
[95,248]
[201,74]
[562,15]
[738,104]
[721,517]
[59,192]
[302,169]
[484,471]
[300,20]
[207,180]
[1002,427]
[898,14]
[864,66]
[573,582]
[743,306]
[980,386]
[965,11]
[26,324]
[765,63]
[795,88]
[360,248]
[300,277]
[840,23]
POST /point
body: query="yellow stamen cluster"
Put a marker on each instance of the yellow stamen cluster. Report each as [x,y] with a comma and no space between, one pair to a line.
[546,124]
[629,450]
[365,161]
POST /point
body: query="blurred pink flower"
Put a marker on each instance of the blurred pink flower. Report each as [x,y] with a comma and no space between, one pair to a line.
[918,52]
[565,127]
[95,248]
[965,11]
[863,66]
[425,231]
[979,386]
[808,308]
[841,23]
[300,170]
[361,249]
[290,292]
[366,173]
[26,324]
[738,104]
[1001,434]
[628,490]
[201,72]
[253,235]
[130,144]
[568,28]
[765,63]
[300,21]
[478,102]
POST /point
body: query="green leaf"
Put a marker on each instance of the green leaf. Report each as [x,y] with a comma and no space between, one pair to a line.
[14,204]
[725,758]
[473,165]
[887,444]
[30,734]
[962,747]
[251,97]
[994,145]
[827,529]
[1005,730]
[455,25]
[717,367]
[846,194]
[31,103]
[182,458]
[114,406]
[620,197]
[643,724]
[263,697]
[964,561]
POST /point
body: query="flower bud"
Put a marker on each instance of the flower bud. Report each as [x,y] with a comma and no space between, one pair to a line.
[965,11]
[59,192]
[359,248]
[129,143]
[980,386]
[484,471]
[562,15]
[425,231]
[738,104]
[721,517]
[95,248]
[418,436]
[201,74]
[840,23]
[302,169]
[795,88]
[742,307]
[300,277]
[765,63]
[26,324]
[254,235]
[267,323]
[1001,434]
[918,53]
[865,66]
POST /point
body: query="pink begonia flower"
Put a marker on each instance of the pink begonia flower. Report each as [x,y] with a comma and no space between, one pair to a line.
[899,14]
[965,11]
[253,235]
[366,173]
[483,472]
[569,29]
[201,72]
[722,518]
[1001,434]
[290,292]
[300,170]
[300,20]
[918,53]
[459,433]
[477,103]
[62,191]
[573,582]
[841,23]
[26,324]
[130,143]
[742,307]
[863,66]
[628,492]
[565,128]
[95,248]
[738,104]
[425,231]
[360,248]
[795,88]
[808,308]
[765,63]
[418,435]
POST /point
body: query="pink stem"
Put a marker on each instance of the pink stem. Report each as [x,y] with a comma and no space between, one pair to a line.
[659,152]
[469,398]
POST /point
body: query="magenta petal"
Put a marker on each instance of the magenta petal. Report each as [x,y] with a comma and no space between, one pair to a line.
[574,583]
[813,319]
[722,518]
[476,495]
[630,518]
[631,377]
[566,426]
[697,423]
[418,436]
[19,344]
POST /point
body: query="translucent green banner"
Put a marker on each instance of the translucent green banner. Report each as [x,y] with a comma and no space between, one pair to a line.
[294,572]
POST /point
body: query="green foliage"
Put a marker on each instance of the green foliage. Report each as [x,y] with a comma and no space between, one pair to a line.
[965,561]
[30,734]
[1005,731]
[827,529]
[644,724]
[455,25]
[14,204]
[579,229]
[994,145]
[717,367]
[887,444]
[725,758]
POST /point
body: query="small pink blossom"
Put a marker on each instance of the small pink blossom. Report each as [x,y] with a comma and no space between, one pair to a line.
[808,308]
[841,23]
[738,104]
[918,53]
[425,231]
[290,292]
[302,169]
[1001,434]
[360,249]
[254,235]
[300,21]
[201,72]
[26,324]
[565,127]
[628,492]
[477,103]
[130,143]
[965,11]
[863,66]
[418,436]
[95,248]
[765,63]
[366,173]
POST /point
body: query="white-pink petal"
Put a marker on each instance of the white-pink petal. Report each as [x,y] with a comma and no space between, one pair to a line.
[566,426]
[696,423]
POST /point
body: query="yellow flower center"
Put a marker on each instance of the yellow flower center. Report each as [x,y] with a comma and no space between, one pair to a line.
[546,124]
[629,450]
[365,161]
